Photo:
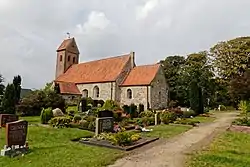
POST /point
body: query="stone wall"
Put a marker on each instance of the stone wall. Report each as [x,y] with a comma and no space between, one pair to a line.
[140,95]
[70,98]
[104,90]
[159,91]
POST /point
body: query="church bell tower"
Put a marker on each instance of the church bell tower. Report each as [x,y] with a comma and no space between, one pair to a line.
[67,55]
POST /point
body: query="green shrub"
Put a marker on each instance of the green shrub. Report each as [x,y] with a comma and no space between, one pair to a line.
[101,103]
[133,111]
[60,122]
[244,106]
[146,114]
[223,108]
[77,118]
[84,124]
[242,121]
[126,108]
[188,114]
[141,108]
[110,105]
[148,121]
[168,117]
[46,115]
[121,138]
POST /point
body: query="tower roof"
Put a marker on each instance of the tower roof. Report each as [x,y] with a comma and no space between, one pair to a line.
[69,45]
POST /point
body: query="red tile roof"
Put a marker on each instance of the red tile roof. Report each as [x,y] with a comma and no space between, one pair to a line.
[68,88]
[104,70]
[141,75]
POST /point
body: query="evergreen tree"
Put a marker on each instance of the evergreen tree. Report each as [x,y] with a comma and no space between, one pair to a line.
[9,99]
[17,87]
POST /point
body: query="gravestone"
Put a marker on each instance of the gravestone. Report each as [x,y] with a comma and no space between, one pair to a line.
[6,118]
[16,134]
[105,124]
[105,113]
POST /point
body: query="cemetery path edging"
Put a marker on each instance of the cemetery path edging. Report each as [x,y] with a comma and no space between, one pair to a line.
[172,153]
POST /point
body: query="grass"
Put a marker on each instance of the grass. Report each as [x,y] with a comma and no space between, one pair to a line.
[203,119]
[53,148]
[232,149]
[31,120]
[166,131]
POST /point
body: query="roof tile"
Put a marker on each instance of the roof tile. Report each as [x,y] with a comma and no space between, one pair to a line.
[68,88]
[141,75]
[104,70]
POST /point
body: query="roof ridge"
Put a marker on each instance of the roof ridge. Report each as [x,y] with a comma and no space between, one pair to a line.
[107,58]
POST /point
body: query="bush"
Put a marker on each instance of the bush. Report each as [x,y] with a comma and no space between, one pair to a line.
[141,108]
[77,118]
[147,121]
[223,108]
[146,114]
[46,115]
[121,138]
[101,102]
[110,105]
[188,114]
[126,109]
[242,121]
[60,122]
[34,102]
[133,111]
[168,117]
[244,106]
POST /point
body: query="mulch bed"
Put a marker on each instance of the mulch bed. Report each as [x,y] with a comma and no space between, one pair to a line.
[236,128]
[104,143]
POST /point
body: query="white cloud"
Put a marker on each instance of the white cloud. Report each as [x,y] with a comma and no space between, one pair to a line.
[31,30]
[143,11]
[97,21]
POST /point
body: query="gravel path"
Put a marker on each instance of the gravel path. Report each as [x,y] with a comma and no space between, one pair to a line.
[171,153]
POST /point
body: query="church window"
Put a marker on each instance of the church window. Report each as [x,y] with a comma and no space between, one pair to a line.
[68,58]
[129,94]
[159,96]
[96,92]
[60,57]
[74,59]
[85,93]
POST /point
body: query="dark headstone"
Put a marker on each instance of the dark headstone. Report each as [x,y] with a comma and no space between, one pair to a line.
[104,125]
[105,113]
[6,118]
[95,103]
[16,133]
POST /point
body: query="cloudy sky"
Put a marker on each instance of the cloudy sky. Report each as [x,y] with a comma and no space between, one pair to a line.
[31,30]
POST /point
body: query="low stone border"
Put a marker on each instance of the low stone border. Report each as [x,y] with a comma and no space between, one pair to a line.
[104,143]
[237,128]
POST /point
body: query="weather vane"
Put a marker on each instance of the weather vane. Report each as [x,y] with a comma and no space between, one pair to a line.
[68,34]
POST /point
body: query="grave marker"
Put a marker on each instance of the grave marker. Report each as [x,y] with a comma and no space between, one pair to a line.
[6,118]
[16,134]
[105,124]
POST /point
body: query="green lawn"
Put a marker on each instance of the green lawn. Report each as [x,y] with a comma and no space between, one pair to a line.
[203,119]
[53,148]
[166,131]
[31,120]
[232,149]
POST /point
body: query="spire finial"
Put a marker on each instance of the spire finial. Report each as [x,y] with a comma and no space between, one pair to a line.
[68,34]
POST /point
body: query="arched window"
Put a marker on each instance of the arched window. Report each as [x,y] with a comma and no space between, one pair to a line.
[60,57]
[96,92]
[160,96]
[85,93]
[68,58]
[129,94]
[74,59]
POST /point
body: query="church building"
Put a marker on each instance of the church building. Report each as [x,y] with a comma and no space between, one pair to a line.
[114,78]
